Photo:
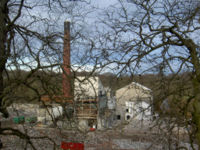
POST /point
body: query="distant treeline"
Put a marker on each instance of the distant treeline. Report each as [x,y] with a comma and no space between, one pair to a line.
[30,86]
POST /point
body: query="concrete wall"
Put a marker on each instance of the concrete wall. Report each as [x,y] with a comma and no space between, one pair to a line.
[88,87]
[102,103]
[92,87]
[133,101]
[140,111]
[18,109]
[111,104]
[49,114]
[133,91]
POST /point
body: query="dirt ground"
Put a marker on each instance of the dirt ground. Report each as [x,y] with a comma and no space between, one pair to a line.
[47,138]
[131,136]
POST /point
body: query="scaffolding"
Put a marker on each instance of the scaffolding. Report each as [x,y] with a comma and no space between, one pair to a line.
[87,109]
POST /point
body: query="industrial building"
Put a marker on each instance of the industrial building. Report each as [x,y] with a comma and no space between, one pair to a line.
[88,103]
[85,96]
[134,101]
[91,101]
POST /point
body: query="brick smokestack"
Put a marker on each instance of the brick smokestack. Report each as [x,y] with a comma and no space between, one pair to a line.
[66,62]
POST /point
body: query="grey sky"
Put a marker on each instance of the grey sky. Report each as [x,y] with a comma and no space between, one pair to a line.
[103,3]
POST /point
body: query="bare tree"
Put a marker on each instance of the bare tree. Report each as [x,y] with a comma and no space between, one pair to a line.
[31,46]
[159,37]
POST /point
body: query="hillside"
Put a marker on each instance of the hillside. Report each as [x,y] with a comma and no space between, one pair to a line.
[23,86]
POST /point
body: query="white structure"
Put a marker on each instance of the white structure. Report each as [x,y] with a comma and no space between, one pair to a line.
[111,104]
[133,101]
[91,98]
[24,109]
[49,113]
[137,110]
[88,87]
[44,114]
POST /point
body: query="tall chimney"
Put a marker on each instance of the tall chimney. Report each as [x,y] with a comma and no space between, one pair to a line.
[66,62]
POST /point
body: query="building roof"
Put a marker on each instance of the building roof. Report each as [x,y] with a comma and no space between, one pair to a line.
[137,85]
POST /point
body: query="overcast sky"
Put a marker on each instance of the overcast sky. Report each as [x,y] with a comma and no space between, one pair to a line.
[82,17]
[103,3]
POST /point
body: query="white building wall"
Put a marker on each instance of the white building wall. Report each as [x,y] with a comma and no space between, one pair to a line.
[133,91]
[49,113]
[88,87]
[111,104]
[134,102]
[139,111]
[91,87]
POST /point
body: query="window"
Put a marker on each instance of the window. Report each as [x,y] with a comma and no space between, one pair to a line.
[100,93]
[118,117]
[128,117]
[127,110]
[129,104]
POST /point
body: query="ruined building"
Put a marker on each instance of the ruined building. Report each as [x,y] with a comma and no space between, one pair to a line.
[134,101]
[87,103]
[85,96]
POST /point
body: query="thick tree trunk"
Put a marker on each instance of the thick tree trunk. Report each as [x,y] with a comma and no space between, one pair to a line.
[196,86]
[3,49]
[196,106]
